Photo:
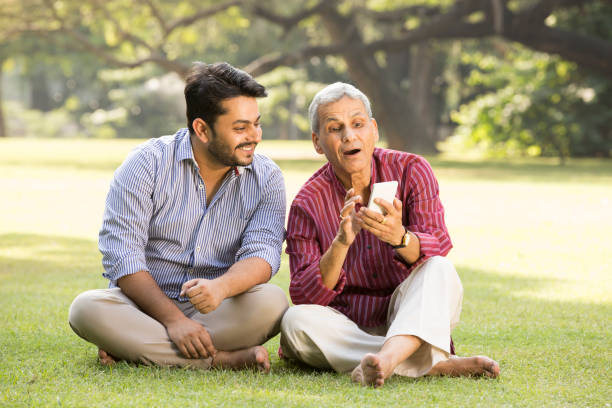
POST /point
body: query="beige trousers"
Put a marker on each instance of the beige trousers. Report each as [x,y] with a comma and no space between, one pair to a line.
[113,322]
[427,305]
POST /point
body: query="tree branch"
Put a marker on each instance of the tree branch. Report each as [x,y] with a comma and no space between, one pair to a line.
[202,14]
[288,22]
[594,53]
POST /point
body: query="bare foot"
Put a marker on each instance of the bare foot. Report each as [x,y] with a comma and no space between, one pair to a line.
[371,371]
[254,357]
[105,358]
[466,366]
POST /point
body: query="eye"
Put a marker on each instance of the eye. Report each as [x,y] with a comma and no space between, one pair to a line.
[239,129]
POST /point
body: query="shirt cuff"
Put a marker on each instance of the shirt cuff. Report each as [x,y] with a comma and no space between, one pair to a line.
[270,255]
[314,291]
[430,245]
[128,265]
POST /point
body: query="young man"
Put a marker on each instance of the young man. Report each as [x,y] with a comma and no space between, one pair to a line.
[375,294]
[192,231]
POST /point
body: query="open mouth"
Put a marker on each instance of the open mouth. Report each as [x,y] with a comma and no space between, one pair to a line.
[247,147]
[352,152]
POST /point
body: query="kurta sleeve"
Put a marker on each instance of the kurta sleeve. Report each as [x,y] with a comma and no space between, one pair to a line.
[425,212]
[304,250]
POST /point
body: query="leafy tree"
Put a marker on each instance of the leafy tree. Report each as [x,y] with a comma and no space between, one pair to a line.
[395,50]
[536,105]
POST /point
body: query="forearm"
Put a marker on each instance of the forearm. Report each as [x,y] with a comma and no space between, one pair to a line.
[243,275]
[331,263]
[144,291]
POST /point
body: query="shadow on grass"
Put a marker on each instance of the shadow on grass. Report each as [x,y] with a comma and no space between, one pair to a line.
[538,170]
[497,320]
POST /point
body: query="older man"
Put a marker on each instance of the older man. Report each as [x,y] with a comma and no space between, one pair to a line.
[374,293]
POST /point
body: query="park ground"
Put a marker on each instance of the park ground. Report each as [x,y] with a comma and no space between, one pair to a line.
[531,245]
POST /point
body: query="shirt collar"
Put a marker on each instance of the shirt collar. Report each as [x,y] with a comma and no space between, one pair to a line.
[184,151]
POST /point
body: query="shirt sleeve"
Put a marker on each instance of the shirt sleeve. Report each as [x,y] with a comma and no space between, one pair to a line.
[129,206]
[265,232]
[304,250]
[425,211]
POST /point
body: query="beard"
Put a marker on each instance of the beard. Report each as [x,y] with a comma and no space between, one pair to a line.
[225,154]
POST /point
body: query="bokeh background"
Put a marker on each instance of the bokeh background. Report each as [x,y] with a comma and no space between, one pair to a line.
[502,78]
[509,100]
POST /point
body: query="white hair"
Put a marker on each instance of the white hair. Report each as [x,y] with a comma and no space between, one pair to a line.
[333,93]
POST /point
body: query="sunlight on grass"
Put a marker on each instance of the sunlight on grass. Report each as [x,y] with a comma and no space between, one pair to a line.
[531,244]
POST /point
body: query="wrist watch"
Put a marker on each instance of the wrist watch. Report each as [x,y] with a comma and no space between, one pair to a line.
[404,242]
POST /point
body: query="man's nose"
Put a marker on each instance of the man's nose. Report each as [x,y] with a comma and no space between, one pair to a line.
[349,135]
[255,134]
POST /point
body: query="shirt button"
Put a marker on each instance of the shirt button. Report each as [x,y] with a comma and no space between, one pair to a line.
[201,186]
[198,249]
[375,275]
[369,246]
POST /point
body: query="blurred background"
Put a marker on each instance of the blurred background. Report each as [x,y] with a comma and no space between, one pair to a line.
[488,78]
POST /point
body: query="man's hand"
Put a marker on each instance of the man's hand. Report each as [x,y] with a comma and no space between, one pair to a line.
[350,224]
[206,295]
[388,228]
[191,338]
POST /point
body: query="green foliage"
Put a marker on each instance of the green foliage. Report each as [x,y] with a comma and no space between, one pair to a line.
[534,104]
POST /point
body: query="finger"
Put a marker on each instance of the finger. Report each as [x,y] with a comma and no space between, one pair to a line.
[397,204]
[183,350]
[189,284]
[194,290]
[386,206]
[197,298]
[349,193]
[207,343]
[202,352]
[372,216]
[191,350]
[346,209]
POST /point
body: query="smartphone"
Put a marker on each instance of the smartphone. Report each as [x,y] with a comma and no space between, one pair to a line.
[386,191]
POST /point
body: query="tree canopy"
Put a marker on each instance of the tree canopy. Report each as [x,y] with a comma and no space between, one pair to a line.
[406,55]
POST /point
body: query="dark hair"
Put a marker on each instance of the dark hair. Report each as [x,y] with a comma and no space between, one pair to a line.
[207,85]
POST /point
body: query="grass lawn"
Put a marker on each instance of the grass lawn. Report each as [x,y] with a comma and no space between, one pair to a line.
[532,247]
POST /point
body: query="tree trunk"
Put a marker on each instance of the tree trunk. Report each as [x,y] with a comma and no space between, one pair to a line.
[422,98]
[39,92]
[397,120]
[3,131]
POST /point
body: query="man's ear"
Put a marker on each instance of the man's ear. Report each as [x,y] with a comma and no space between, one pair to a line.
[375,130]
[201,129]
[315,143]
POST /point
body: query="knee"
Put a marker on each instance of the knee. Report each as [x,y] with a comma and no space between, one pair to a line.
[445,270]
[297,320]
[271,303]
[83,310]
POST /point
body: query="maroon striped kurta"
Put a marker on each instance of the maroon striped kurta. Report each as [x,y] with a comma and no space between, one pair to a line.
[371,271]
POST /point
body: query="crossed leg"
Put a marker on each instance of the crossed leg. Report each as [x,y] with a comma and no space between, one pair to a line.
[113,322]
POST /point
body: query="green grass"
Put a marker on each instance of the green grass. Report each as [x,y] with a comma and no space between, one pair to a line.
[532,246]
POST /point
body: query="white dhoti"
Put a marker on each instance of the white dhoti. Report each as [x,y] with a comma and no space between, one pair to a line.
[426,305]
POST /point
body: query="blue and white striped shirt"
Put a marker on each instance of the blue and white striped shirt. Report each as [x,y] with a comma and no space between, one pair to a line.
[156,218]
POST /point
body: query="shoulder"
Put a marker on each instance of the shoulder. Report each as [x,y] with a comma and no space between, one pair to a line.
[398,159]
[407,164]
[264,169]
[317,187]
[157,149]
